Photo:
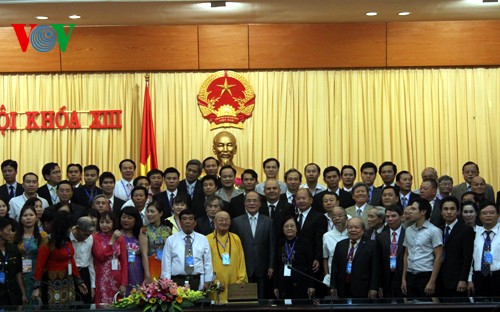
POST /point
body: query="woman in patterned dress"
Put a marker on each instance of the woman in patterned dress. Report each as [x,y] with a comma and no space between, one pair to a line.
[157,233]
[110,259]
[28,239]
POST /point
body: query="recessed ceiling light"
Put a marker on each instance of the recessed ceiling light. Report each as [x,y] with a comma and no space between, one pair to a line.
[42,17]
[404,13]
[371,13]
[74,16]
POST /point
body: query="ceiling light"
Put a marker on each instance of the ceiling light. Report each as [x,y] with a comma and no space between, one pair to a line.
[42,17]
[371,13]
[74,16]
[404,13]
[217,4]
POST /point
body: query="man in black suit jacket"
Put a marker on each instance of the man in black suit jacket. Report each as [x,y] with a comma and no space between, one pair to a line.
[404,180]
[428,191]
[259,243]
[387,171]
[166,199]
[205,225]
[458,242]
[249,180]
[11,188]
[392,253]
[274,207]
[191,186]
[355,264]
[368,176]
[51,172]
[84,195]
[331,176]
[107,182]
[65,193]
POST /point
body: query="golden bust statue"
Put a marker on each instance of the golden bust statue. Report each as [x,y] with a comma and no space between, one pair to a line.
[225,148]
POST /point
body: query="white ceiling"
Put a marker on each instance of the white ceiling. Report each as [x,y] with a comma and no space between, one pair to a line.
[175,12]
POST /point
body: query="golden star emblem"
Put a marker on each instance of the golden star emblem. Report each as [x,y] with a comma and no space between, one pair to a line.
[225,87]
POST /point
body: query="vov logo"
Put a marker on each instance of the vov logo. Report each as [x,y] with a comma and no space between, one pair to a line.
[43,38]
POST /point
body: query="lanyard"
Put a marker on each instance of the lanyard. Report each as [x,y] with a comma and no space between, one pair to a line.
[223,246]
[289,250]
[69,253]
[351,252]
[90,195]
[125,189]
[27,245]
[106,240]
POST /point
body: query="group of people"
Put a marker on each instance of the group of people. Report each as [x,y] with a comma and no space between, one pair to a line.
[67,241]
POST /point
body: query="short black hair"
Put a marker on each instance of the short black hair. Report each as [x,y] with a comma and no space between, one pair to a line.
[209,177]
[210,158]
[424,205]
[227,167]
[171,170]
[80,169]
[153,172]
[269,160]
[30,173]
[125,160]
[391,188]
[330,169]
[106,175]
[292,171]
[250,172]
[399,174]
[62,183]
[388,163]
[470,163]
[452,199]
[487,203]
[347,167]
[368,165]
[136,180]
[9,163]
[396,209]
[92,167]
[47,168]
[187,212]
[313,164]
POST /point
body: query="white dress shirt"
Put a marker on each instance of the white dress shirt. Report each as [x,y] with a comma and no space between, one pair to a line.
[123,190]
[172,262]
[330,240]
[495,248]
[83,255]
[317,189]
[17,203]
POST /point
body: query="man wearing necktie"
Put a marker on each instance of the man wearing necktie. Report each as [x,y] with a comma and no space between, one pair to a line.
[275,206]
[486,264]
[355,264]
[191,185]
[52,174]
[11,188]
[458,244]
[360,209]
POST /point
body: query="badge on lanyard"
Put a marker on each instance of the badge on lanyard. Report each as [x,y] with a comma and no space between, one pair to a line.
[114,264]
[348,269]
[159,253]
[190,261]
[286,271]
[2,277]
[488,257]
[131,257]
[392,263]
[70,268]
[226,259]
[27,265]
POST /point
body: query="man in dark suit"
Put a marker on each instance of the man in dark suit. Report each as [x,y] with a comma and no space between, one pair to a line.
[166,199]
[313,225]
[428,191]
[376,222]
[387,171]
[355,264]
[51,172]
[458,245]
[11,188]
[84,195]
[257,235]
[470,170]
[74,174]
[331,176]
[65,194]
[368,176]
[211,167]
[249,180]
[107,181]
[392,253]
[191,186]
[404,181]
[205,225]
[275,207]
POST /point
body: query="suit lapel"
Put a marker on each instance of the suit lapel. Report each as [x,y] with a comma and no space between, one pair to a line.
[401,241]
[359,249]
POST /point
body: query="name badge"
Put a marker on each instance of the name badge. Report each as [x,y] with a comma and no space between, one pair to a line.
[190,261]
[159,241]
[27,265]
[348,269]
[488,257]
[225,259]
[114,264]
[2,277]
[70,268]
[286,271]
[159,254]
[392,263]
[131,257]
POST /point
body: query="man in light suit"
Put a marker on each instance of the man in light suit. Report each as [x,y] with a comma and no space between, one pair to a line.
[470,170]
[368,176]
[360,192]
[257,235]
[355,264]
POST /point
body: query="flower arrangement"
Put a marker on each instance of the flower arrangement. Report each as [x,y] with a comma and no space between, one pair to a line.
[160,295]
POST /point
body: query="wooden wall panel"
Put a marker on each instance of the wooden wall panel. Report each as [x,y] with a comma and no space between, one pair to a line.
[132,48]
[223,46]
[12,59]
[318,45]
[443,43]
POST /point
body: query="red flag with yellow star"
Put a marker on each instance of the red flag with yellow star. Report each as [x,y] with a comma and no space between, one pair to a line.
[149,159]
